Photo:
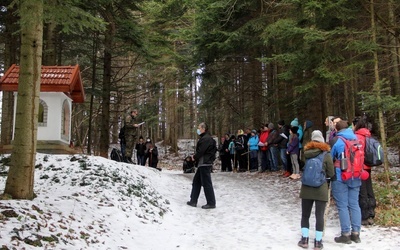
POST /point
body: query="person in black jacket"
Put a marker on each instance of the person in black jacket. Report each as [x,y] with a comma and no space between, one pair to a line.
[226,164]
[204,157]
[140,148]
[152,156]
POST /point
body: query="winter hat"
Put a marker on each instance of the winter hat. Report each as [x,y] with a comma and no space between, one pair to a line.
[294,129]
[295,122]
[309,124]
[281,122]
[316,135]
[271,126]
[254,131]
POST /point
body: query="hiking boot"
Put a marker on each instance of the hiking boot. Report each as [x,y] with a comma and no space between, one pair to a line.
[355,236]
[370,221]
[207,206]
[303,242]
[192,204]
[364,222]
[286,174]
[343,238]
[318,245]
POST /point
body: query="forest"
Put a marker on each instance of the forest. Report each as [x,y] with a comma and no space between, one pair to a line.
[233,63]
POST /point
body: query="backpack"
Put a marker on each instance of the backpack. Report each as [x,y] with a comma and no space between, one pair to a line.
[116,155]
[352,161]
[313,173]
[373,152]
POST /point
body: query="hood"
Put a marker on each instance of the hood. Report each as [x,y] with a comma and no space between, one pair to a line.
[309,124]
[347,133]
[364,132]
[314,148]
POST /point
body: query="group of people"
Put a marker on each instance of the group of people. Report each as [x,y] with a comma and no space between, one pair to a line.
[354,198]
[146,151]
[266,149]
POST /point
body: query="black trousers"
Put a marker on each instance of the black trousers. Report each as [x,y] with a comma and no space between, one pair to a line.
[367,198]
[202,177]
[306,207]
[226,164]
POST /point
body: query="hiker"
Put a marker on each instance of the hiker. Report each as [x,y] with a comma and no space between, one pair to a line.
[345,193]
[318,195]
[366,197]
[152,156]
[293,151]
[253,150]
[232,153]
[140,151]
[263,148]
[240,148]
[272,145]
[130,134]
[204,158]
[282,146]
[226,164]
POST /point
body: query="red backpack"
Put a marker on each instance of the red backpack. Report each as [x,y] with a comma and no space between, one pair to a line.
[352,161]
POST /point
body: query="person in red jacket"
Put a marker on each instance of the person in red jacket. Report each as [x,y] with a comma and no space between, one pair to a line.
[264,147]
[366,197]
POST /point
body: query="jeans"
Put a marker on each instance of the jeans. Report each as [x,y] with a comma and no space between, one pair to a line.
[346,198]
[273,157]
[140,159]
[283,156]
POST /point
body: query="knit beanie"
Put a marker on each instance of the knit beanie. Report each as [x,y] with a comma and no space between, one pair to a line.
[281,122]
[254,131]
[316,135]
[295,122]
[271,126]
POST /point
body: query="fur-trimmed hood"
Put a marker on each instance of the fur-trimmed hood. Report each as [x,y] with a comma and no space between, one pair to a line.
[314,148]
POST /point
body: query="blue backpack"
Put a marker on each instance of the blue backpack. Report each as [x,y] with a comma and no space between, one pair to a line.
[313,173]
[373,152]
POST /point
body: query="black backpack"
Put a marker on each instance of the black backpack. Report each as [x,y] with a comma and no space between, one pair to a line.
[116,155]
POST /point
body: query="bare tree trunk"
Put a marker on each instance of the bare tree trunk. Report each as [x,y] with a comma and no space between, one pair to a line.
[10,57]
[377,90]
[106,89]
[20,178]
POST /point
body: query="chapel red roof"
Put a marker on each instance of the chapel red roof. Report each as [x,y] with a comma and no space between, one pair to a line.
[65,79]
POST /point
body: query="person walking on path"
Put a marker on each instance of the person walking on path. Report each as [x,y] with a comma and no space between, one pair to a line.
[318,195]
[204,157]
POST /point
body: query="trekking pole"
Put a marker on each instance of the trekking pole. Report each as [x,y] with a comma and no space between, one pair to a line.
[248,161]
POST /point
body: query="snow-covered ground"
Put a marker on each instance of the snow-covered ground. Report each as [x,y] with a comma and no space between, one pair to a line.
[89,202]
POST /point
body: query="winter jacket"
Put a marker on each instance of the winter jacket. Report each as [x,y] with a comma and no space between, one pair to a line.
[231,147]
[311,150]
[140,149]
[293,146]
[300,135]
[362,135]
[152,156]
[205,150]
[282,141]
[273,138]
[253,143]
[263,139]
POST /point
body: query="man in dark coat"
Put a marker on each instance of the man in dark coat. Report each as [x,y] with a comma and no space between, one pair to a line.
[204,157]
[131,128]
